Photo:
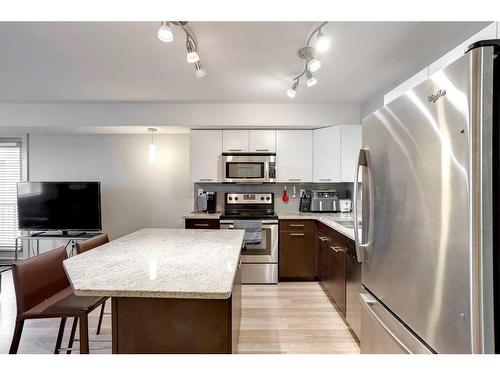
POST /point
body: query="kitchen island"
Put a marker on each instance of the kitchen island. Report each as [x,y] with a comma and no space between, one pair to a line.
[172,290]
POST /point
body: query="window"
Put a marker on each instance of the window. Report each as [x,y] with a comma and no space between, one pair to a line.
[10,175]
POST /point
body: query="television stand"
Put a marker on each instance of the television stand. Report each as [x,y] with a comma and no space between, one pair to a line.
[61,234]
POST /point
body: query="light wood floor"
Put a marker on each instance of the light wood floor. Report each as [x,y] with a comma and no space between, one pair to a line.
[285,318]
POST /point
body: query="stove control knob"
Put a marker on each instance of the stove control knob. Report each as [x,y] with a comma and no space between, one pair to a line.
[261,198]
[235,198]
[268,198]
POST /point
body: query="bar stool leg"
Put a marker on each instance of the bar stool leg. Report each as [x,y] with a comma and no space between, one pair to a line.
[84,334]
[100,318]
[60,335]
[72,335]
[16,338]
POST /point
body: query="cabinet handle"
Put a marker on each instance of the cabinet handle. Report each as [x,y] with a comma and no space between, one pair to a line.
[200,225]
[323,239]
[262,149]
[297,234]
[297,225]
[337,249]
[205,179]
[325,179]
[235,149]
[294,179]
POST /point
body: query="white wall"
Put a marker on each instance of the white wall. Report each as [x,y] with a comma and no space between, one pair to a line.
[135,194]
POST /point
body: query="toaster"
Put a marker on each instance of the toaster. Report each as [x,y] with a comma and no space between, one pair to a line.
[325,201]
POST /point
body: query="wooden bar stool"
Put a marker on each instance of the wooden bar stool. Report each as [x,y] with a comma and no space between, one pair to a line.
[43,291]
[82,247]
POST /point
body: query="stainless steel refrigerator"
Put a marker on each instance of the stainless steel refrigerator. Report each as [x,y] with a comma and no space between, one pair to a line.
[430,206]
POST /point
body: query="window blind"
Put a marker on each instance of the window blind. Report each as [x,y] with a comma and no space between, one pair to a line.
[10,175]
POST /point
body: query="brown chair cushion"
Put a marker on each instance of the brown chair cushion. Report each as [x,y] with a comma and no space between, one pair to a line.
[38,278]
[91,243]
[64,303]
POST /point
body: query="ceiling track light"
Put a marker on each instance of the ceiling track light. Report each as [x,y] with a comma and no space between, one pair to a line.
[165,34]
[311,64]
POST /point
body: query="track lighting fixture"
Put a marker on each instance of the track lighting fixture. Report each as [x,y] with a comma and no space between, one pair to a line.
[312,64]
[165,34]
[311,81]
[293,90]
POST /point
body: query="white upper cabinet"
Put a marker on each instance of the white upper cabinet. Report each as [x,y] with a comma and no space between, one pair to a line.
[350,143]
[205,155]
[326,154]
[262,141]
[294,155]
[235,140]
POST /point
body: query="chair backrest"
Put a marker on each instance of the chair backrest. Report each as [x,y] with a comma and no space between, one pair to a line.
[89,244]
[38,278]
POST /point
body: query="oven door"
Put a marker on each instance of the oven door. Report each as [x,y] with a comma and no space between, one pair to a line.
[264,252]
[248,168]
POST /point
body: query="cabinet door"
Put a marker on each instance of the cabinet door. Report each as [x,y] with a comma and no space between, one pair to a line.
[326,154]
[296,255]
[262,141]
[235,140]
[350,138]
[205,155]
[338,283]
[294,155]
[324,262]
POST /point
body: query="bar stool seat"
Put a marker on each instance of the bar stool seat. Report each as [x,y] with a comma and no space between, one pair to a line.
[64,302]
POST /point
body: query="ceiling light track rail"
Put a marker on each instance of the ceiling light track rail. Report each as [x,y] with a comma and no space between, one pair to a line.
[311,64]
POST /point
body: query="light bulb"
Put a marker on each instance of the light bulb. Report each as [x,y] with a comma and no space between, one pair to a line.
[314,65]
[165,33]
[311,81]
[192,57]
[293,90]
[322,42]
[200,72]
[152,153]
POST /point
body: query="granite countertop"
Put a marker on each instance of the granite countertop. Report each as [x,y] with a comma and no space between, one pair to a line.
[160,263]
[203,215]
[333,220]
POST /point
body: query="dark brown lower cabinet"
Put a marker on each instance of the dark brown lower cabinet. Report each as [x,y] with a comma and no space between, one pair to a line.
[296,255]
[332,265]
[202,224]
[297,252]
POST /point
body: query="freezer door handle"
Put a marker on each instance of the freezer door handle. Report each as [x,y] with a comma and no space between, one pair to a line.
[362,162]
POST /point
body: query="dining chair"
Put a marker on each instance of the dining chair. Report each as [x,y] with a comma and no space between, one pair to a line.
[43,291]
[82,247]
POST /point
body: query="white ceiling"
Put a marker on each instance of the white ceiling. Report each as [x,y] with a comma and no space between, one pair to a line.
[247,62]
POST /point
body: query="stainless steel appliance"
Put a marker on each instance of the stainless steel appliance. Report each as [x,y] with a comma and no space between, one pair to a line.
[430,164]
[353,288]
[249,167]
[259,261]
[325,201]
[345,205]
[211,201]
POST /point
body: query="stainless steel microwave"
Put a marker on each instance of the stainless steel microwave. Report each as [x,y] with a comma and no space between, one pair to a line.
[249,167]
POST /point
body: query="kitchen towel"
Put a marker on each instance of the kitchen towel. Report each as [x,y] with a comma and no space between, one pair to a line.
[252,228]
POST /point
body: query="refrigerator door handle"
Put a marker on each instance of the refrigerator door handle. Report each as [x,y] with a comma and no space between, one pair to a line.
[362,162]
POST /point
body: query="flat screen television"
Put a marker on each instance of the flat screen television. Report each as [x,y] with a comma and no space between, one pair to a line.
[65,206]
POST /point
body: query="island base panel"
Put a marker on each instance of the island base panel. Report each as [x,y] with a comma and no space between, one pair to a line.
[161,325]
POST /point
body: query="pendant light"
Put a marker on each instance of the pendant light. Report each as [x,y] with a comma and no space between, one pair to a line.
[152,146]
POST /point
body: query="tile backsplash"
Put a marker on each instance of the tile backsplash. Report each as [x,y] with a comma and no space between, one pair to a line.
[344,189]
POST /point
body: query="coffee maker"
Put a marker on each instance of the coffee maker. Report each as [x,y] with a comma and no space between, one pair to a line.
[211,201]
